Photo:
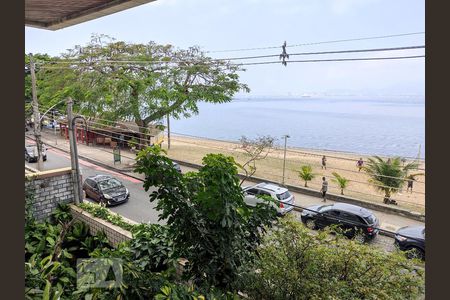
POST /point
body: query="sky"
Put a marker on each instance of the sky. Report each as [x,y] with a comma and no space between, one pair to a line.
[241,24]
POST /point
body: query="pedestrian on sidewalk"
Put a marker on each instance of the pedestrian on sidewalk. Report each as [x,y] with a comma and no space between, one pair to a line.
[324,189]
[360,164]
[324,162]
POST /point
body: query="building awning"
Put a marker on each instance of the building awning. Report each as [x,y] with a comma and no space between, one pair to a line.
[57,14]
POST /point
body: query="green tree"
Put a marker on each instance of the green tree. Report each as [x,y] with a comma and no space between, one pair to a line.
[295,264]
[254,149]
[341,181]
[115,80]
[389,175]
[208,221]
[306,174]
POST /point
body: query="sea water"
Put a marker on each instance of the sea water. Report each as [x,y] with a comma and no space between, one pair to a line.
[393,126]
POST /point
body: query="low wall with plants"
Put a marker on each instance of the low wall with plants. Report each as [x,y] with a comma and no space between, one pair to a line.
[114,233]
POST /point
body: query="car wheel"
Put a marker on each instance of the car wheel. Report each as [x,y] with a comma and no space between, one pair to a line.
[414,252]
[360,238]
[311,224]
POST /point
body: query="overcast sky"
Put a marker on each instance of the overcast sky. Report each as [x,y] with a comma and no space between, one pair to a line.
[236,24]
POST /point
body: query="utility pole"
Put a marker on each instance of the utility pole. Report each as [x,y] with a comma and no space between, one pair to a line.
[78,192]
[37,119]
[168,131]
[284,158]
[54,126]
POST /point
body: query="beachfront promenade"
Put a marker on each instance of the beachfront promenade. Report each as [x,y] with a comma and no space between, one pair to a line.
[104,156]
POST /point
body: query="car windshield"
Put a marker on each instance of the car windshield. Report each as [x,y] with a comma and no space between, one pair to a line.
[324,208]
[284,195]
[109,184]
[370,219]
[30,149]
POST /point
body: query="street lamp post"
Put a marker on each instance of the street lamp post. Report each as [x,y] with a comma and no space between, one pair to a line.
[284,158]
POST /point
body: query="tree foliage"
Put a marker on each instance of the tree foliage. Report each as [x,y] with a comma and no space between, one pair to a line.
[295,264]
[388,175]
[143,82]
[206,215]
[38,59]
[306,174]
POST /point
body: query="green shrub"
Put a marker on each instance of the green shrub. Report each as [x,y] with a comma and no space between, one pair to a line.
[206,216]
[295,264]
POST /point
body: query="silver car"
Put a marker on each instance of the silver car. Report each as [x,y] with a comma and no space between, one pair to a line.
[280,194]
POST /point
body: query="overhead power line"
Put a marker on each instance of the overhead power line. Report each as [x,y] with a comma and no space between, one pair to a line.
[322,42]
[334,60]
[329,52]
[106,62]
[304,61]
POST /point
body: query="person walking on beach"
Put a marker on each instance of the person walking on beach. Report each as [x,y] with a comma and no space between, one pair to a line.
[324,189]
[410,183]
[324,162]
[359,164]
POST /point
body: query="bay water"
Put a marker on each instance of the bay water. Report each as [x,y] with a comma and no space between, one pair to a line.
[393,126]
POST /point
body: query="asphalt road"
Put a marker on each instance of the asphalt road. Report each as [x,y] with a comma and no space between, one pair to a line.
[139,208]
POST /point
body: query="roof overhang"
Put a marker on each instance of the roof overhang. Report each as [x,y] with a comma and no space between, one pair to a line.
[57,14]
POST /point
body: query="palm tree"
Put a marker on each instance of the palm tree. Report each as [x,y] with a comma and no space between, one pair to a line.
[388,175]
[306,174]
[341,181]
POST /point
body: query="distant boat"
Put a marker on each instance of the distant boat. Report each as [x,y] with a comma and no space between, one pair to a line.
[306,96]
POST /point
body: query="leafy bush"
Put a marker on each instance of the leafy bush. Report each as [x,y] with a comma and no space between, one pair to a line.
[206,215]
[295,264]
[51,250]
[341,181]
[306,174]
[105,214]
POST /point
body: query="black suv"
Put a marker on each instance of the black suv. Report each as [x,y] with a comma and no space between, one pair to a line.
[355,221]
[411,239]
[105,189]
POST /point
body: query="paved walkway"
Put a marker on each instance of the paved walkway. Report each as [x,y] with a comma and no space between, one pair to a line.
[104,155]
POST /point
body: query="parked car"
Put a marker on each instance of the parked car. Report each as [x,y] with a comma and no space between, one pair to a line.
[282,196]
[411,239]
[31,153]
[176,166]
[355,221]
[105,189]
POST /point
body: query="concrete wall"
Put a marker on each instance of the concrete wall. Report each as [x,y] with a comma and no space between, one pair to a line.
[115,234]
[49,188]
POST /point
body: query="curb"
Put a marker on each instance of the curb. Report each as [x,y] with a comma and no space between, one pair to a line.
[397,211]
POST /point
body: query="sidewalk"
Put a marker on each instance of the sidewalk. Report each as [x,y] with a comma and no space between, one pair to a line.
[104,156]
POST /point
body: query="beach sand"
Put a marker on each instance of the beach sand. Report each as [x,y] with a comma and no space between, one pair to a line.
[192,150]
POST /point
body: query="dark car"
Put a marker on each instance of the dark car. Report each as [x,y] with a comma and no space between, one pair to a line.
[31,153]
[411,239]
[355,221]
[105,189]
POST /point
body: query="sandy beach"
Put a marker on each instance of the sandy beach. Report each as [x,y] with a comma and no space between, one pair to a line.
[192,150]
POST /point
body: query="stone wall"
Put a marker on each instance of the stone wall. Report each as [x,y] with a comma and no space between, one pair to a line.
[49,188]
[114,233]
